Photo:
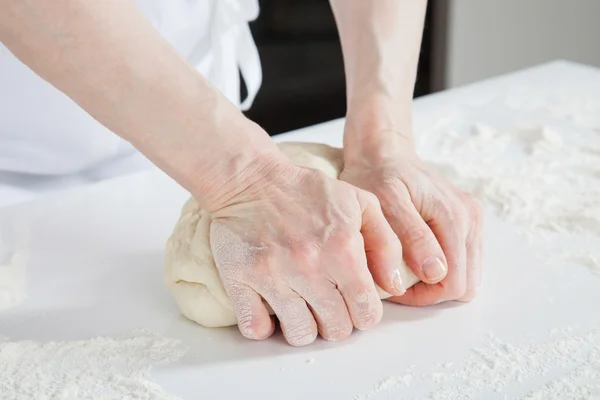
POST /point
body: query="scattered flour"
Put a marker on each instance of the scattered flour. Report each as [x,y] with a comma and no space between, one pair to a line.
[551,188]
[565,366]
[546,183]
[104,368]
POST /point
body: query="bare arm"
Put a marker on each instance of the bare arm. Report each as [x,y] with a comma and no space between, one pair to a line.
[438,225]
[110,60]
[310,264]
[381,41]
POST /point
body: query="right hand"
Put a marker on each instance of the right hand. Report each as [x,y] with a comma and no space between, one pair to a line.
[304,243]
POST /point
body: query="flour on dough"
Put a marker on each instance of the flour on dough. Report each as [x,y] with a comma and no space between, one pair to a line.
[190,270]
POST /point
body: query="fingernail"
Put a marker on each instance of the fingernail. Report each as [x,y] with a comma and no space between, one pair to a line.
[397,282]
[433,269]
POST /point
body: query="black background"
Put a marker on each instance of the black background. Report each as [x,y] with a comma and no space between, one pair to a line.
[303,71]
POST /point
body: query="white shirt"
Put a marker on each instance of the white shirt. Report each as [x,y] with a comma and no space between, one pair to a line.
[48,143]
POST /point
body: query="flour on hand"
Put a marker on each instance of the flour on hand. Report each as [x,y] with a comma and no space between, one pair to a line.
[190,270]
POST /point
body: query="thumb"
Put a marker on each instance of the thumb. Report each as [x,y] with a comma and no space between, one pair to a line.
[382,247]
[421,249]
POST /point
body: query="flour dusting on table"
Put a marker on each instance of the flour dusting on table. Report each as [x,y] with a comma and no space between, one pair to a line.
[566,365]
[543,180]
[102,368]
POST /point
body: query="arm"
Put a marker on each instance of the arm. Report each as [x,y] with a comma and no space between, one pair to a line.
[110,60]
[381,41]
[280,233]
[438,225]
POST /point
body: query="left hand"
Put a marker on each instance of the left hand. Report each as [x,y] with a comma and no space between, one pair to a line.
[439,226]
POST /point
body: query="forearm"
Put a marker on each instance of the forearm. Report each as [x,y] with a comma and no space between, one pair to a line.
[381,42]
[110,60]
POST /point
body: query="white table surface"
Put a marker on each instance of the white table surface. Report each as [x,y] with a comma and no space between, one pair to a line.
[96,260]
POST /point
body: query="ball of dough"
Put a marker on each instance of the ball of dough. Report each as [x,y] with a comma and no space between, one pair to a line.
[190,270]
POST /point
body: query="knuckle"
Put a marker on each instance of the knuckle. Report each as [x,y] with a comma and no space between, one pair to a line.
[477,209]
[456,215]
[300,334]
[366,320]
[474,207]
[370,198]
[457,290]
[392,180]
[417,235]
[366,309]
[334,321]
[457,212]
[337,331]
[478,217]
[347,241]
[245,326]
[450,208]
[372,225]
[307,252]
[468,296]
[475,213]
[245,320]
[298,327]
[394,192]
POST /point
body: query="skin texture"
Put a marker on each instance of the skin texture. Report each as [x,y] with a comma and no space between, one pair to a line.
[303,246]
[303,242]
[307,238]
[438,225]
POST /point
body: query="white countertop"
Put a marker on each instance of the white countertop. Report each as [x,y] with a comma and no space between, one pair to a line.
[95,268]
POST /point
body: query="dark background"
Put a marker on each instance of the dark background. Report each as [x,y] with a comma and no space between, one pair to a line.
[303,71]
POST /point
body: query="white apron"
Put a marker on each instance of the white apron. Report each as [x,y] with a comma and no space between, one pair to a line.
[48,143]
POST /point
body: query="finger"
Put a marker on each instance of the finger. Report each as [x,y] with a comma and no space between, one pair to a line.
[382,247]
[333,319]
[421,249]
[254,321]
[449,231]
[356,285]
[297,322]
[474,257]
[327,306]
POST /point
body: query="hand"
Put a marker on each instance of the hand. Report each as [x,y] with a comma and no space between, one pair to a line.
[301,242]
[438,225]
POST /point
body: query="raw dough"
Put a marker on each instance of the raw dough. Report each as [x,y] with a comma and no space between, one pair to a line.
[190,271]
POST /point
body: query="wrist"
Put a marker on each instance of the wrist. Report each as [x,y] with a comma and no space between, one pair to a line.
[240,169]
[376,128]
